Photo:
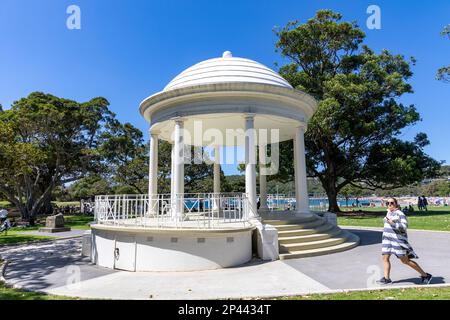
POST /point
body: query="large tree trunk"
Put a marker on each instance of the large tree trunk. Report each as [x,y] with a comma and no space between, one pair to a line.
[332,194]
[47,207]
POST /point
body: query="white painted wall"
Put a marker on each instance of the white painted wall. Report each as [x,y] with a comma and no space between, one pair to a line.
[156,251]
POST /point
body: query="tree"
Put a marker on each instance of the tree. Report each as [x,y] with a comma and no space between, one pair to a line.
[440,188]
[89,187]
[125,152]
[352,138]
[444,72]
[45,142]
[127,155]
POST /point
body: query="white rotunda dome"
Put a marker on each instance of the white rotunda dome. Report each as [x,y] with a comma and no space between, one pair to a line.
[227,69]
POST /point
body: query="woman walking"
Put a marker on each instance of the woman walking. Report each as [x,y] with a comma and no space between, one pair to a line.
[395,241]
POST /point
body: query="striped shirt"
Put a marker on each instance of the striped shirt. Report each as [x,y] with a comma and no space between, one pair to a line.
[395,237]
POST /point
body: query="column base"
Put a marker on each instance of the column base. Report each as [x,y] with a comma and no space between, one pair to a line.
[266,240]
[305,214]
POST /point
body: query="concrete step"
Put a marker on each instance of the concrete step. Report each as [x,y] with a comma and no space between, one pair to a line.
[303,232]
[290,247]
[290,220]
[333,232]
[351,242]
[297,226]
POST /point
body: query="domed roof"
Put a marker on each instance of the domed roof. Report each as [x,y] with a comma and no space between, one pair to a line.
[227,69]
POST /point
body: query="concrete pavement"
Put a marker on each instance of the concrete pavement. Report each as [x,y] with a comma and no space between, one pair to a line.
[58,268]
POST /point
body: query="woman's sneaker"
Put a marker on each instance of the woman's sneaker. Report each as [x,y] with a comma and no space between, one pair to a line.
[427,279]
[384,281]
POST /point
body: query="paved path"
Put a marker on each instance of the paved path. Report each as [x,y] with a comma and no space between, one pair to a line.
[55,268]
[67,234]
[361,266]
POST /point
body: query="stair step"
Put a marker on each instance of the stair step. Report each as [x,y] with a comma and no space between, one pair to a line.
[352,242]
[306,225]
[290,220]
[303,232]
[290,247]
[333,232]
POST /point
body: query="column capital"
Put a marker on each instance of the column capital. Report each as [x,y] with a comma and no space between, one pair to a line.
[154,132]
[249,115]
[179,119]
[303,126]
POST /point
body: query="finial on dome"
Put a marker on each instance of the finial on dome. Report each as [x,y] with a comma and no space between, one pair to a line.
[227,54]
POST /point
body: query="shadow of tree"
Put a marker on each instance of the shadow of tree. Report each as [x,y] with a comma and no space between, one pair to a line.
[42,267]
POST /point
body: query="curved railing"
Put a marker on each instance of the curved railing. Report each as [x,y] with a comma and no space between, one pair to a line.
[200,210]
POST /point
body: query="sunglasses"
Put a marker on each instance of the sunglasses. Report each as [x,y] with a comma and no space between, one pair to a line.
[390,203]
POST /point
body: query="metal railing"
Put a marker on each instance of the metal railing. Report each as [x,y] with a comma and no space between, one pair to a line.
[200,210]
[277,202]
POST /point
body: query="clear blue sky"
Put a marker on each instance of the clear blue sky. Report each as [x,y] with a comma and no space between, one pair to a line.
[127,50]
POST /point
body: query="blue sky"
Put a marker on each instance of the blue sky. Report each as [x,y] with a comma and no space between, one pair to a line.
[127,50]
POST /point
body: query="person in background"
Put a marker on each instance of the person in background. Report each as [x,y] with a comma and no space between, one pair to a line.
[5,226]
[395,241]
[3,215]
[419,203]
[424,203]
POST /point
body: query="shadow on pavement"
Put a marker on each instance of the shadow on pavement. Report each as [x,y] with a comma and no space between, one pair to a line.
[435,280]
[367,237]
[37,267]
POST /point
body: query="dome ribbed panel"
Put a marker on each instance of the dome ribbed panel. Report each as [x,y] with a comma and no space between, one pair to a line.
[222,70]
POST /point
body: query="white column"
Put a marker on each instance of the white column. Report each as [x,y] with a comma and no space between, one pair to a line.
[216,177]
[178,170]
[301,186]
[153,173]
[295,170]
[262,178]
[250,164]
[172,169]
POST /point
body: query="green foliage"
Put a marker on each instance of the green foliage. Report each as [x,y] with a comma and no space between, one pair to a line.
[439,188]
[123,147]
[444,72]
[352,137]
[89,187]
[45,142]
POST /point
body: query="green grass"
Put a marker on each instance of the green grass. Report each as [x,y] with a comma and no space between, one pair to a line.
[442,293]
[5,204]
[78,222]
[15,236]
[437,219]
[15,294]
[66,203]
[21,235]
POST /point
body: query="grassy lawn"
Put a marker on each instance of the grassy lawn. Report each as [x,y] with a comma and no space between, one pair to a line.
[442,293]
[437,218]
[15,294]
[14,236]
[78,222]
[21,235]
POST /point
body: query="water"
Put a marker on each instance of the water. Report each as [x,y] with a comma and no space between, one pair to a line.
[283,202]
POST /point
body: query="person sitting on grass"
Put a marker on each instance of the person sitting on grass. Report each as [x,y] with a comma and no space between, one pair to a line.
[395,241]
